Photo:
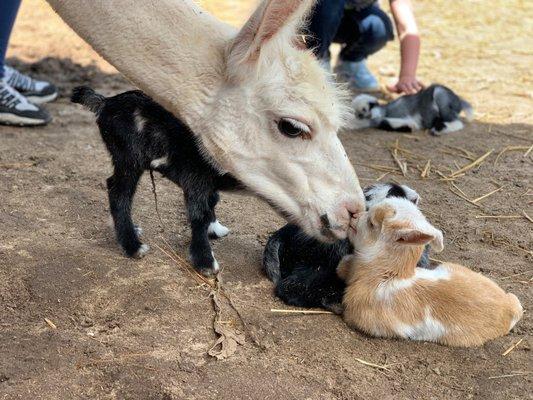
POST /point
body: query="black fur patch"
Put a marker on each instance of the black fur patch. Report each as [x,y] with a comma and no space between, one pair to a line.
[396,191]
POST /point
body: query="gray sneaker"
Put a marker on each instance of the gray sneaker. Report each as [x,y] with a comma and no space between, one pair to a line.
[15,109]
[38,92]
[357,74]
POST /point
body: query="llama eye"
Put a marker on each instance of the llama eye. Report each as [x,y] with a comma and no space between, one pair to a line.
[293,128]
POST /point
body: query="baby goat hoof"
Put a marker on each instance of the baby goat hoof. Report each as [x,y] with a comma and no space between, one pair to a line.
[217,230]
[143,249]
[208,268]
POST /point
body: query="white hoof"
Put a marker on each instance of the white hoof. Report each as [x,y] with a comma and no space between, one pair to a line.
[217,229]
[142,251]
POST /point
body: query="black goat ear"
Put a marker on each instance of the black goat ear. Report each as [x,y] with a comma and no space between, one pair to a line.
[373,104]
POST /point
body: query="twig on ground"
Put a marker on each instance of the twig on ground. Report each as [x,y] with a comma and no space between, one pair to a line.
[498,216]
[487,195]
[527,217]
[383,367]
[512,148]
[287,311]
[425,171]
[514,346]
[513,374]
[473,164]
[50,323]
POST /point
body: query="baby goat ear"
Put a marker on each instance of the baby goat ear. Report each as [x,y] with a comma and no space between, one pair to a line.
[381,213]
[419,237]
[413,236]
[273,20]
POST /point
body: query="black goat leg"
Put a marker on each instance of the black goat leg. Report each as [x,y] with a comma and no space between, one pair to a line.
[200,217]
[121,187]
[216,229]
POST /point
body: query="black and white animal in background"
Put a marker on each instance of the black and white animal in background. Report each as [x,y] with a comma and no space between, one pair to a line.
[436,108]
[304,269]
[141,135]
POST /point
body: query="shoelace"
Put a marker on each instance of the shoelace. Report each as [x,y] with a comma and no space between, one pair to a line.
[18,80]
[9,97]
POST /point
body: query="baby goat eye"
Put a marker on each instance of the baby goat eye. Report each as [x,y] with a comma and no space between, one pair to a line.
[293,128]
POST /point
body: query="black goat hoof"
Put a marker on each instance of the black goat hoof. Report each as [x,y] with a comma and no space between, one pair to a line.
[141,252]
[207,267]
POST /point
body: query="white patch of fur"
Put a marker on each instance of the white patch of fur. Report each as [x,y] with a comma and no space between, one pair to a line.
[428,329]
[377,194]
[411,194]
[453,126]
[414,122]
[217,229]
[138,230]
[139,120]
[142,251]
[216,267]
[388,289]
[159,162]
[362,105]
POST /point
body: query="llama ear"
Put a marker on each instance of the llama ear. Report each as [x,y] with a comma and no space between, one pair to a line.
[273,20]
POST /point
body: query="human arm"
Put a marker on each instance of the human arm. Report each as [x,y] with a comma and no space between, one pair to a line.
[404,18]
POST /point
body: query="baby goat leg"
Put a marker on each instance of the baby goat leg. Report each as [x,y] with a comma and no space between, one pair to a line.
[121,187]
[200,216]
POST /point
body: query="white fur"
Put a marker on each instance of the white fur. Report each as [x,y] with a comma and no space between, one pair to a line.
[387,290]
[216,267]
[217,229]
[142,251]
[231,88]
[453,126]
[158,162]
[414,122]
[428,329]
[139,120]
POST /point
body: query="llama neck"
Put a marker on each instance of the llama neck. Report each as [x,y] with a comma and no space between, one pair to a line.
[171,49]
[397,261]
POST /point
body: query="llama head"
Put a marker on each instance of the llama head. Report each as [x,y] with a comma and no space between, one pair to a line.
[392,224]
[281,140]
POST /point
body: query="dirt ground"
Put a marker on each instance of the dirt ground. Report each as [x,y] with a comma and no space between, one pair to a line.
[130,329]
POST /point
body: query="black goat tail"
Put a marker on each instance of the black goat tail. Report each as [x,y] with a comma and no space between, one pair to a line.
[271,258]
[88,98]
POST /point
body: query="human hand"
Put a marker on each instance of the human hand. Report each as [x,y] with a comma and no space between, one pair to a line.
[407,85]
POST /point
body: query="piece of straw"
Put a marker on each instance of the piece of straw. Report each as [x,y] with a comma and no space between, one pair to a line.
[472,164]
[50,323]
[286,311]
[425,171]
[487,195]
[383,367]
[512,347]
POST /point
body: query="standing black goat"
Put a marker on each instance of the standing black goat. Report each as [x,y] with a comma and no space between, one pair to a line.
[141,135]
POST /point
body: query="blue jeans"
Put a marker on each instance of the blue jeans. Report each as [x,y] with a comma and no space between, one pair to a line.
[8,13]
[361,33]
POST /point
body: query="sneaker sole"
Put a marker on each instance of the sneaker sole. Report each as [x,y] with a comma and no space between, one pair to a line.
[11,119]
[42,99]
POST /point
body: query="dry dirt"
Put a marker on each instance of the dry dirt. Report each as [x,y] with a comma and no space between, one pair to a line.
[141,329]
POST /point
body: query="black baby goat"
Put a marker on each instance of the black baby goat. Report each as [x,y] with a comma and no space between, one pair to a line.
[141,135]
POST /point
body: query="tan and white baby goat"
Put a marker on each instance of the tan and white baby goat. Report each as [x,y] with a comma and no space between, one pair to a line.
[388,296]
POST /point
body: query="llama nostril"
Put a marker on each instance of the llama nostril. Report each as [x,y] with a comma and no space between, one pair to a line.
[324,219]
